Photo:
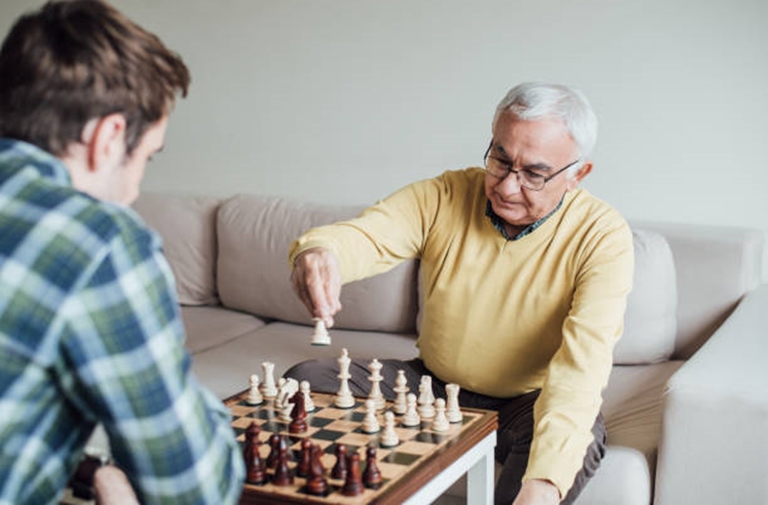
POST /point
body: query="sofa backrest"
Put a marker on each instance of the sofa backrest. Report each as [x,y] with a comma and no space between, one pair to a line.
[187,225]
[253,272]
[715,266]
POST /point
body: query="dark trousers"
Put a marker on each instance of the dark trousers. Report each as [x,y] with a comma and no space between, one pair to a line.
[515,416]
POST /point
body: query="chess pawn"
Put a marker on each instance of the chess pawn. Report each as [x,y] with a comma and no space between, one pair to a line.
[344,398]
[353,484]
[320,335]
[254,466]
[283,476]
[371,475]
[316,484]
[370,424]
[375,379]
[411,417]
[309,405]
[274,450]
[426,398]
[389,436]
[254,395]
[452,410]
[401,388]
[302,469]
[339,470]
[440,423]
[268,388]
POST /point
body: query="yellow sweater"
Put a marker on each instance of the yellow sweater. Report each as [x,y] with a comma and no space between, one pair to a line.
[503,317]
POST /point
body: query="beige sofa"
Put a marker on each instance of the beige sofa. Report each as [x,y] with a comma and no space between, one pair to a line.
[687,403]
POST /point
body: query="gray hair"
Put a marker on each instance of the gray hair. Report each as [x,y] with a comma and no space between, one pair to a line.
[536,100]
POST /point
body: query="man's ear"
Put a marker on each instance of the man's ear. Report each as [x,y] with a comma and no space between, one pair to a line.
[583,171]
[105,138]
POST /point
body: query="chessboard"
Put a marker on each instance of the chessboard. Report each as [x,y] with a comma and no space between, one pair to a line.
[419,456]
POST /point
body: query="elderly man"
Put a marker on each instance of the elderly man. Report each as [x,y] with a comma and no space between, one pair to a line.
[524,278]
[90,330]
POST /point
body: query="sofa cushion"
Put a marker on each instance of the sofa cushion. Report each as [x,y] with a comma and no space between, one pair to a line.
[650,323]
[208,327]
[254,275]
[187,226]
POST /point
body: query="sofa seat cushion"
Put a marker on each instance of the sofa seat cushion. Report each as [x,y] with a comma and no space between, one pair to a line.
[188,227]
[254,274]
[225,369]
[650,322]
[209,327]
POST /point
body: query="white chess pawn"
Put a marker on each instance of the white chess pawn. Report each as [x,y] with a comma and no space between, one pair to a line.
[254,395]
[411,417]
[452,410]
[320,335]
[309,405]
[440,423]
[389,436]
[370,424]
[344,398]
[375,378]
[401,388]
[426,398]
[268,388]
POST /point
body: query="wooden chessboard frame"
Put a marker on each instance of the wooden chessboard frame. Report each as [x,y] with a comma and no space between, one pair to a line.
[478,425]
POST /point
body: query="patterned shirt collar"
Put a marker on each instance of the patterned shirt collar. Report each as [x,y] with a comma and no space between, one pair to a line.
[23,155]
[498,222]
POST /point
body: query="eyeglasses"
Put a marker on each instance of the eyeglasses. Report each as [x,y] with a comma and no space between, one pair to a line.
[526,178]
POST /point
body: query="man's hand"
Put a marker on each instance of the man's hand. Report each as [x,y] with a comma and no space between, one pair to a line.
[537,492]
[111,487]
[316,280]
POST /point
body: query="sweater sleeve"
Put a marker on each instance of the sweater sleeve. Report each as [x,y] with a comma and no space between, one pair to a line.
[384,235]
[578,372]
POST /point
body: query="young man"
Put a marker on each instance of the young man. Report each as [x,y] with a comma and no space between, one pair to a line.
[89,324]
[524,278]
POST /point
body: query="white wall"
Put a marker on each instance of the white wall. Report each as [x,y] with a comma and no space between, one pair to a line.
[345,101]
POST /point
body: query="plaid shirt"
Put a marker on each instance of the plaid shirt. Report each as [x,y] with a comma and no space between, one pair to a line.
[90,333]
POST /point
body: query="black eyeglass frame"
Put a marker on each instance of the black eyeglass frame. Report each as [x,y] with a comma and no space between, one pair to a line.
[517,172]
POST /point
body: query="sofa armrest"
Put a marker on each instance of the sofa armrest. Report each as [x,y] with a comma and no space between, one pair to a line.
[714,443]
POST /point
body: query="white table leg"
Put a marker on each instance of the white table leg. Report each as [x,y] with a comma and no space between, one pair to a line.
[480,478]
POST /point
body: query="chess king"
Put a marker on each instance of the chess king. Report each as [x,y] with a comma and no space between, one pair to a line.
[525,277]
[90,330]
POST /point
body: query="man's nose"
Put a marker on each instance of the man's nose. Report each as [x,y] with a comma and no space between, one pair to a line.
[510,184]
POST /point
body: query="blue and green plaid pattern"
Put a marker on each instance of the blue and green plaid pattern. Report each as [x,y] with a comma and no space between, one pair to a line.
[90,333]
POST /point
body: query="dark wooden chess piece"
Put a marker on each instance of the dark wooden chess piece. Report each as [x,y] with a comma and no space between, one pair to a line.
[254,466]
[298,414]
[372,475]
[283,476]
[316,484]
[302,469]
[339,470]
[353,485]
[274,450]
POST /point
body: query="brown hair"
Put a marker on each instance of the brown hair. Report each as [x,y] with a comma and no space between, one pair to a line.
[75,60]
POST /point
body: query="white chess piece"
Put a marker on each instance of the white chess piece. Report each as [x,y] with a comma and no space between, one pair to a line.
[411,417]
[375,378]
[452,410]
[320,335]
[426,398]
[285,412]
[268,388]
[389,436]
[254,395]
[309,405]
[344,398]
[286,389]
[440,423]
[401,388]
[370,424]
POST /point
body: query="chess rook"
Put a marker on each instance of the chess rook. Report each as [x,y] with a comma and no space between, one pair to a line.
[320,335]
[268,387]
